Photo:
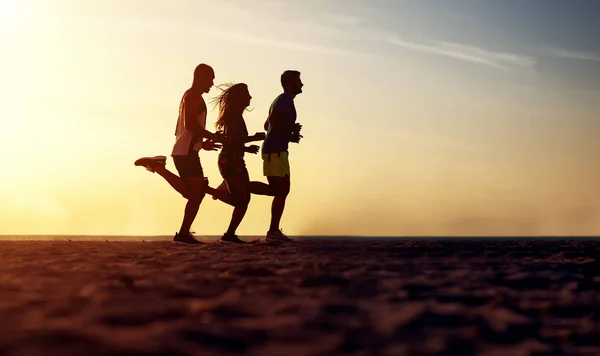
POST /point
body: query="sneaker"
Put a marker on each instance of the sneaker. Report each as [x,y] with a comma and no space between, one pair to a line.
[185,239]
[221,188]
[232,239]
[151,163]
[277,236]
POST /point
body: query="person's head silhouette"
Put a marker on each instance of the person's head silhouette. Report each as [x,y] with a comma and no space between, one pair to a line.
[291,83]
[233,100]
[204,76]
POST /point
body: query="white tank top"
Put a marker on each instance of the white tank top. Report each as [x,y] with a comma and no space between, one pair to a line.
[185,141]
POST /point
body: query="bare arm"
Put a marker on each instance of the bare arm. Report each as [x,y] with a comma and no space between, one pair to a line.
[259,136]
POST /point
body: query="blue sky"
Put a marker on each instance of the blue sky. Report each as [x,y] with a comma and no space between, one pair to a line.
[558,39]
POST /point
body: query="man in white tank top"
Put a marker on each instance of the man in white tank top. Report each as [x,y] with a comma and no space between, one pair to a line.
[190,135]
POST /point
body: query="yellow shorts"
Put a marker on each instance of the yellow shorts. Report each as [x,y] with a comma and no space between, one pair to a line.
[276,164]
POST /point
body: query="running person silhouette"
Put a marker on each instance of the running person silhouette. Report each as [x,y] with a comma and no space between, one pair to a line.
[281,129]
[190,133]
[237,187]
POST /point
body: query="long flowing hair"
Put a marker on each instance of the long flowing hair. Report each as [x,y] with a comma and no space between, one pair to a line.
[229,103]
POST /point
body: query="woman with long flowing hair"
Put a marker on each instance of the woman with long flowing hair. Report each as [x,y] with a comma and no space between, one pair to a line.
[233,100]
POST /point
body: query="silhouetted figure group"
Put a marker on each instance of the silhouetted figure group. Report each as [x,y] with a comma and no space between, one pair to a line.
[231,138]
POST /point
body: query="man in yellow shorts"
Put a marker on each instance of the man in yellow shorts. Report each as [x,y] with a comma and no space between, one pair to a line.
[281,129]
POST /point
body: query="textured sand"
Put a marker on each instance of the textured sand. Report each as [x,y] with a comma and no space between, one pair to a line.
[310,298]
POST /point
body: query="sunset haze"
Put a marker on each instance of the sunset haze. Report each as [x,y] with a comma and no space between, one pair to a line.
[419,117]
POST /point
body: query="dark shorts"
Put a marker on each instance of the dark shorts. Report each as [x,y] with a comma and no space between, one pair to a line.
[188,166]
[231,164]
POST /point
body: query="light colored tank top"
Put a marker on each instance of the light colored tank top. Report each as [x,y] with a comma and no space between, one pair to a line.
[186,142]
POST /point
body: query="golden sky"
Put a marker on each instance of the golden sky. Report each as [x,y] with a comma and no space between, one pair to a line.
[405,133]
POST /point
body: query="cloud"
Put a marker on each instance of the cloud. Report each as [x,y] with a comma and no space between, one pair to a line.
[345,19]
[142,23]
[305,33]
[471,54]
[277,43]
[583,56]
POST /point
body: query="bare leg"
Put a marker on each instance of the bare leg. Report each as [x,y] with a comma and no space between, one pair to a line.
[261,188]
[222,194]
[225,196]
[157,165]
[221,188]
[175,181]
[239,188]
[197,191]
[282,188]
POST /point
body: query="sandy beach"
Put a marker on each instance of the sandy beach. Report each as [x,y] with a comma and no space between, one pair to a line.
[307,298]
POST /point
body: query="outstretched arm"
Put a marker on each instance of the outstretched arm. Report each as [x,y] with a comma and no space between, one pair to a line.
[259,136]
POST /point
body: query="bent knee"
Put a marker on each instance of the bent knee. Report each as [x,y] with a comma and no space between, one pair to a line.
[283,190]
[243,201]
[282,193]
[196,194]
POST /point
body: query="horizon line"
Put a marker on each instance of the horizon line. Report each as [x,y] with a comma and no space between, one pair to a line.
[323,235]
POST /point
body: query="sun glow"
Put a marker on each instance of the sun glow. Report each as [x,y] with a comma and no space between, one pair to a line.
[12,13]
[406,144]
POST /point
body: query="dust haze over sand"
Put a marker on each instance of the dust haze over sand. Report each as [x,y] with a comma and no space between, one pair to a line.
[377,220]
[335,215]
[538,191]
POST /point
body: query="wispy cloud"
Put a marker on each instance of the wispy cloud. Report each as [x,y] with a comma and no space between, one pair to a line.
[583,56]
[499,60]
[182,26]
[345,19]
[282,44]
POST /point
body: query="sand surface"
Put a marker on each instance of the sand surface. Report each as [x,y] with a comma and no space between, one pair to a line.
[308,298]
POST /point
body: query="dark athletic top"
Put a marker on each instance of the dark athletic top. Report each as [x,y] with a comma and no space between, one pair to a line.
[236,136]
[278,138]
